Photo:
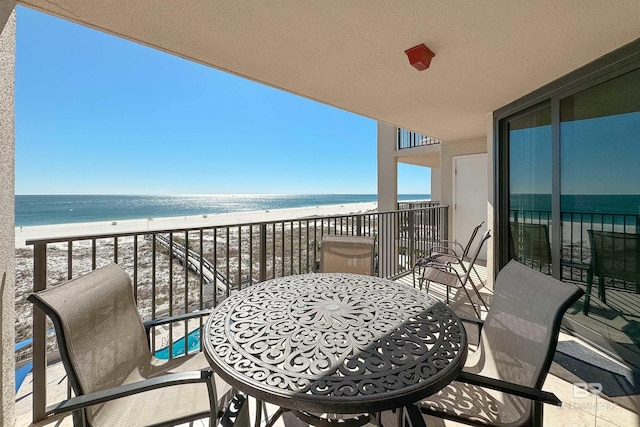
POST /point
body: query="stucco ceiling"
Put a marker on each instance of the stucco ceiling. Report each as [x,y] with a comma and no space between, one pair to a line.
[350,54]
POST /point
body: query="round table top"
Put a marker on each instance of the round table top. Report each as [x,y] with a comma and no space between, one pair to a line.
[334,342]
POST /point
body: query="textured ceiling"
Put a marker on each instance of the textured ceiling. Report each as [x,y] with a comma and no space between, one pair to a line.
[350,54]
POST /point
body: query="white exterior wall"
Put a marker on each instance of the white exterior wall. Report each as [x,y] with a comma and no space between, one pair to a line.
[7,209]
[436,193]
[387,189]
[491,203]
[387,168]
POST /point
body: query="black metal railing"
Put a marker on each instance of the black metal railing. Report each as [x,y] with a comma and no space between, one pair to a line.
[416,204]
[576,248]
[182,270]
[408,139]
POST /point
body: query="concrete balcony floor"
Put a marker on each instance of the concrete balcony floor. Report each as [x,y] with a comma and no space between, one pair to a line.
[578,409]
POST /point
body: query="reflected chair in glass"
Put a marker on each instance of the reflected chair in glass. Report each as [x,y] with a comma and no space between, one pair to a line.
[104,347]
[501,383]
[448,252]
[347,254]
[614,255]
[530,245]
[450,277]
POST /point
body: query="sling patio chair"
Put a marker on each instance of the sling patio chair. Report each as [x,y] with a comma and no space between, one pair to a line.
[614,255]
[116,379]
[530,244]
[449,276]
[448,252]
[347,254]
[501,383]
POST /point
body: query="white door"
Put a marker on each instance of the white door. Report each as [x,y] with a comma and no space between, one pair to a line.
[470,196]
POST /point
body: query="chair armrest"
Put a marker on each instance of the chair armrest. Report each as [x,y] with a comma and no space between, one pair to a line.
[164,320]
[511,388]
[476,321]
[434,263]
[442,250]
[453,242]
[85,400]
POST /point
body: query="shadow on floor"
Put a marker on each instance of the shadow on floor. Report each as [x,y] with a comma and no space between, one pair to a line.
[590,367]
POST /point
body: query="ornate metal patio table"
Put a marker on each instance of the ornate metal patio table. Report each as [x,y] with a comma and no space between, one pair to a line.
[335,343]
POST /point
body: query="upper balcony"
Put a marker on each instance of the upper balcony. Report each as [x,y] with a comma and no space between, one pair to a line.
[417,149]
[407,139]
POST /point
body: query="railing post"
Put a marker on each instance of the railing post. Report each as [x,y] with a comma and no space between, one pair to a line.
[359,225]
[411,236]
[39,336]
[445,223]
[263,252]
[387,244]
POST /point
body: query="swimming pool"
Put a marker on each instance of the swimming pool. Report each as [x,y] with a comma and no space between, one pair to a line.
[177,349]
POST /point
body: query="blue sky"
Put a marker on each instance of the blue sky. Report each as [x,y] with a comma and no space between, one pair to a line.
[96,114]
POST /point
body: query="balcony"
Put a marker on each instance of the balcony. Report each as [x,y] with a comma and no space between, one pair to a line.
[407,139]
[181,270]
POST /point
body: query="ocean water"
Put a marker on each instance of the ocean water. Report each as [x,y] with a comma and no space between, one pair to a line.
[611,204]
[64,209]
[617,212]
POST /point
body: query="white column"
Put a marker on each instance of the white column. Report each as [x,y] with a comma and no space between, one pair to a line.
[436,185]
[7,209]
[387,168]
[491,203]
[387,198]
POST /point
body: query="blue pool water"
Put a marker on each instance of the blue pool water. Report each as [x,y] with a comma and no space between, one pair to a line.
[177,349]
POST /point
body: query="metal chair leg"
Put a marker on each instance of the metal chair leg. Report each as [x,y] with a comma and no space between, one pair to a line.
[410,416]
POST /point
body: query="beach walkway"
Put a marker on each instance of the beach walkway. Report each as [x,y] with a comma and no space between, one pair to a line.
[196,263]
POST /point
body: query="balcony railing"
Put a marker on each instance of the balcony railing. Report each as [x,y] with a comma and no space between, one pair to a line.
[182,270]
[415,204]
[576,248]
[407,139]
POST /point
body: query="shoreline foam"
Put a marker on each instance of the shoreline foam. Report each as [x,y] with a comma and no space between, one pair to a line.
[25,233]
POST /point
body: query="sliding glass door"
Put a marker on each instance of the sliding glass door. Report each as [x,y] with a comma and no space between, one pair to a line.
[529,137]
[569,198]
[600,204]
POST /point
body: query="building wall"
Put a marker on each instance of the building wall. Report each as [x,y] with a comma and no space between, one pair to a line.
[491,203]
[387,168]
[7,208]
[435,184]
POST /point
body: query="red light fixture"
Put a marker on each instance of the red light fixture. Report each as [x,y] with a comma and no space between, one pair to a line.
[420,56]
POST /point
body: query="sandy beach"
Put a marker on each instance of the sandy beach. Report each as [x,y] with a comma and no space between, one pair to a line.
[24,234]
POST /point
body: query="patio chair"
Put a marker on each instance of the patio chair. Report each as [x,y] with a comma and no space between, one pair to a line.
[116,380]
[448,252]
[530,244]
[501,383]
[533,248]
[347,254]
[616,256]
[447,275]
